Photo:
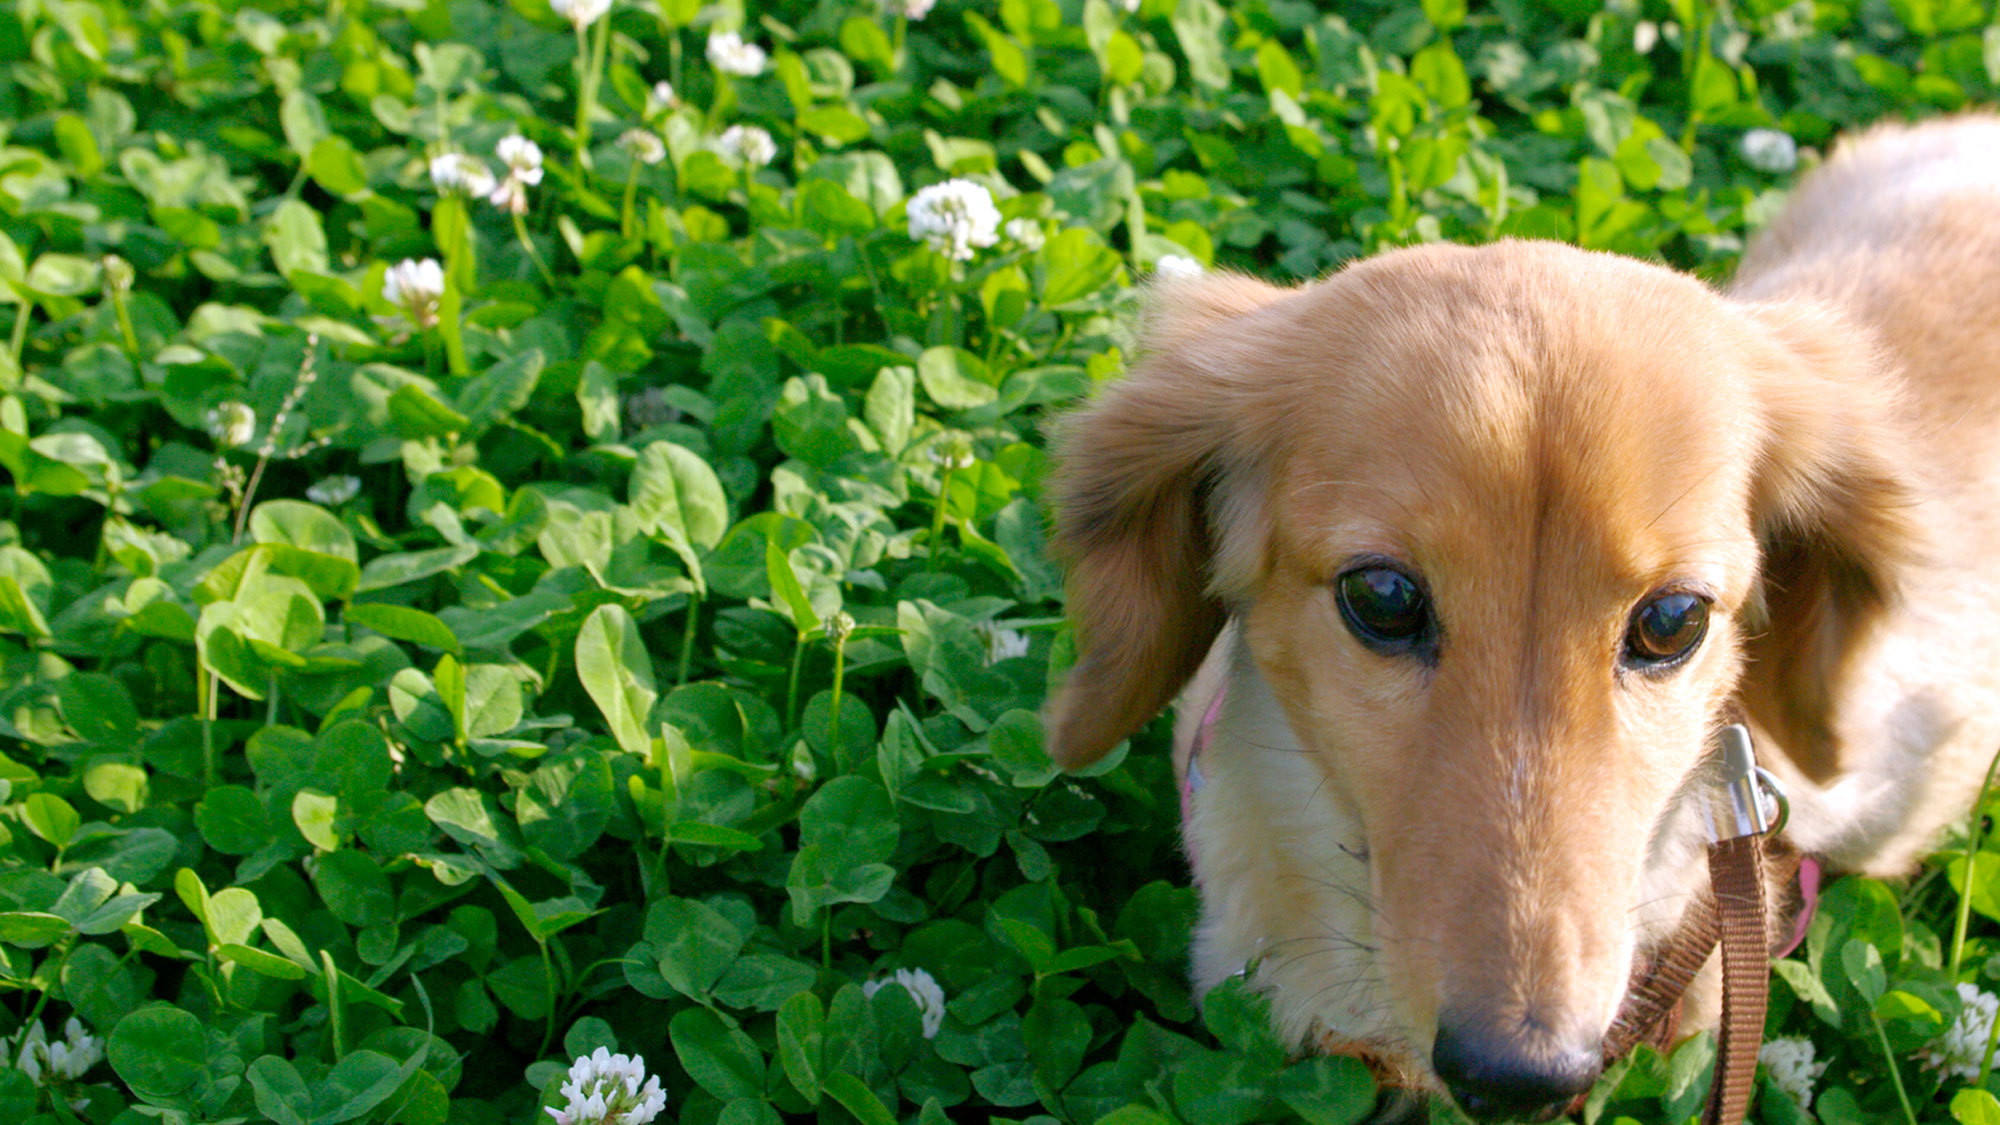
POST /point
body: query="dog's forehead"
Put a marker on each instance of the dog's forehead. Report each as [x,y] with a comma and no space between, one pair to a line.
[1472,399]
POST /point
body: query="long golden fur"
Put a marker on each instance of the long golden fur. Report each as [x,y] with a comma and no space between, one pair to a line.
[1548,437]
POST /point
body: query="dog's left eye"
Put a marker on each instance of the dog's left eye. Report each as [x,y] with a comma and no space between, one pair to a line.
[1666,629]
[1385,609]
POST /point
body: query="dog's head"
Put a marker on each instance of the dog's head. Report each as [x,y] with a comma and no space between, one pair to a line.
[1493,523]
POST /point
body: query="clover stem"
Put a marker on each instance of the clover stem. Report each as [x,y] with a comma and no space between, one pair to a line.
[669,782]
[792,686]
[548,991]
[210,767]
[627,220]
[666,835]
[598,53]
[452,230]
[1986,1060]
[1062,338]
[687,638]
[20,337]
[1895,1075]
[947,320]
[249,493]
[1971,861]
[588,59]
[451,329]
[335,1006]
[42,998]
[723,103]
[833,712]
[125,323]
[937,520]
[534,255]
[874,284]
[584,98]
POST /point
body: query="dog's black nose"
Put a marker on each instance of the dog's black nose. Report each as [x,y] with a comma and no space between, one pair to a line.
[1495,1077]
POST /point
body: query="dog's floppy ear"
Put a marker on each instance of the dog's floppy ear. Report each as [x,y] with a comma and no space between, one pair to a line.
[1834,504]
[1140,474]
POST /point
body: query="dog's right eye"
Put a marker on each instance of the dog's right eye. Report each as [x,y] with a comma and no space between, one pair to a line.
[1385,609]
[1666,629]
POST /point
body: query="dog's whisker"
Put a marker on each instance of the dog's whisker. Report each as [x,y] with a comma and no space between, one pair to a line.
[1270,746]
[1359,896]
[1689,491]
[1672,896]
[1326,943]
[1314,795]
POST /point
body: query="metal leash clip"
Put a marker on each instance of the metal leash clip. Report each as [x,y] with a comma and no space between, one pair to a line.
[1746,786]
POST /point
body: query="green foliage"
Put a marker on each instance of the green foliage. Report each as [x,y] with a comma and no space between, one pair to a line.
[634,638]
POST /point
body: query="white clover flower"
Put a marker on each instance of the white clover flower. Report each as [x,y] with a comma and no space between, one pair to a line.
[1645,36]
[1958,1049]
[954,217]
[1769,150]
[1176,267]
[728,53]
[232,424]
[605,1089]
[1794,22]
[1026,233]
[911,9]
[334,491]
[457,172]
[839,627]
[66,1060]
[1130,5]
[523,159]
[1789,1059]
[645,146]
[415,288]
[747,144]
[663,94]
[33,1056]
[582,13]
[923,989]
[952,453]
[1001,644]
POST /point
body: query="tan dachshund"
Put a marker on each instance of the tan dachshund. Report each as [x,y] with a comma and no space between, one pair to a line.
[1463,554]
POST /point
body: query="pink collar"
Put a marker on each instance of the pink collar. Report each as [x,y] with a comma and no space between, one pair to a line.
[1192,781]
[1809,873]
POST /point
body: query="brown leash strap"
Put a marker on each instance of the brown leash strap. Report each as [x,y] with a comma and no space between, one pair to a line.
[1731,914]
[1652,1008]
[1736,870]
